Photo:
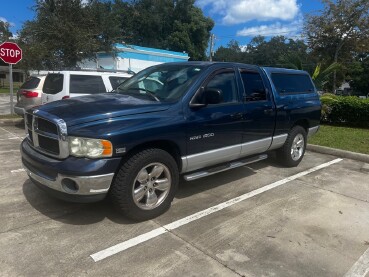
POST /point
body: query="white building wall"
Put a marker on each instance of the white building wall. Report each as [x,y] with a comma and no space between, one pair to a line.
[133,64]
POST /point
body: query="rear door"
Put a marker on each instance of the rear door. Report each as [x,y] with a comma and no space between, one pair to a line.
[259,119]
[214,132]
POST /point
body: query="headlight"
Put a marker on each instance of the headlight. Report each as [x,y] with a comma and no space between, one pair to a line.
[90,148]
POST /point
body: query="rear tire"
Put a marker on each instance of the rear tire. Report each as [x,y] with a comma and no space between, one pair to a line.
[145,185]
[293,150]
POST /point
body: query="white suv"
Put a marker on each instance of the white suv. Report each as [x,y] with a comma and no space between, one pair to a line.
[65,84]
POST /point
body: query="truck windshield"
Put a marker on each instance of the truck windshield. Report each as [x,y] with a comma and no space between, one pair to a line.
[161,83]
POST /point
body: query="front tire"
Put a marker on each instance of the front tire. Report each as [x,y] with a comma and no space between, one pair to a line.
[293,150]
[145,185]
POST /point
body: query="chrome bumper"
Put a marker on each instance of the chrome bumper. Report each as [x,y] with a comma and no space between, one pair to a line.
[84,185]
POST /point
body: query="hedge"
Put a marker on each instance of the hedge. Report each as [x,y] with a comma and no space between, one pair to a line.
[345,110]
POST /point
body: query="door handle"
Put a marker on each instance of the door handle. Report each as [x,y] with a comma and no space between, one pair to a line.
[268,111]
[237,116]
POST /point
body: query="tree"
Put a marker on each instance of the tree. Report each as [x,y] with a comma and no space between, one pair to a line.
[231,53]
[358,73]
[65,32]
[166,24]
[190,30]
[339,31]
[321,75]
[278,51]
[5,33]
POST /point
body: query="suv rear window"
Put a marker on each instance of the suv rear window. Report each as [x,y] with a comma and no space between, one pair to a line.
[292,83]
[53,83]
[86,84]
[116,81]
[31,83]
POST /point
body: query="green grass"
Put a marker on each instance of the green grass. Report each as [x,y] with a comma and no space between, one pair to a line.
[4,88]
[345,138]
[15,116]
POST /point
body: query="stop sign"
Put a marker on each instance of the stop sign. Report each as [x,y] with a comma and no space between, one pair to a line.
[10,52]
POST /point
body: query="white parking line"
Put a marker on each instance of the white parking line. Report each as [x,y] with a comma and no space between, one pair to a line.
[10,138]
[361,267]
[176,224]
[9,151]
[14,136]
[17,170]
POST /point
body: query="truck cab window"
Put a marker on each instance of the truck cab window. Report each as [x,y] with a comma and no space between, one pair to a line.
[226,83]
[292,83]
[254,87]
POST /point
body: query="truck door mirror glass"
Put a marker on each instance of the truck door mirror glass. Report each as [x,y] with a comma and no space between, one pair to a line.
[213,96]
[208,96]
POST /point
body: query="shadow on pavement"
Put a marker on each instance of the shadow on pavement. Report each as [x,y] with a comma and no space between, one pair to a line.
[20,125]
[71,213]
[187,189]
[85,214]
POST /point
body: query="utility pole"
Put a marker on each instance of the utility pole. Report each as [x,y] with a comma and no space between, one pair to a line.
[212,40]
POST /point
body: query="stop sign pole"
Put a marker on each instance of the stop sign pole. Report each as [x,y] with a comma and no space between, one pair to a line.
[11,54]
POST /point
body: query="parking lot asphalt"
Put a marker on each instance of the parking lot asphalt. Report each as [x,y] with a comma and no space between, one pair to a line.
[264,220]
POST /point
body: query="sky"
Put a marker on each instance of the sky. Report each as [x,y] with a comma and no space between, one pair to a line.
[240,20]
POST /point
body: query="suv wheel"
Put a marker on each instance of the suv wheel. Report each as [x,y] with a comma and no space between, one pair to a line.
[293,149]
[145,185]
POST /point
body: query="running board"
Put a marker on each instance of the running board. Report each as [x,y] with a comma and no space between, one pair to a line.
[217,169]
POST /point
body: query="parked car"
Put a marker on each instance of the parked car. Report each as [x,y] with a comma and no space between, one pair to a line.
[65,84]
[29,94]
[197,119]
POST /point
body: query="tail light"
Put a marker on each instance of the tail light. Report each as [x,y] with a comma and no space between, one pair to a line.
[65,97]
[29,94]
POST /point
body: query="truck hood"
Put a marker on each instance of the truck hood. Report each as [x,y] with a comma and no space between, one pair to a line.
[100,106]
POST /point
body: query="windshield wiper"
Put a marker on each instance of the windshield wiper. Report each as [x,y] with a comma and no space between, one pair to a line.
[148,92]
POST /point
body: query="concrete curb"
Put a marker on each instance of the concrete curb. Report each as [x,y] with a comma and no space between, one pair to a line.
[10,121]
[338,152]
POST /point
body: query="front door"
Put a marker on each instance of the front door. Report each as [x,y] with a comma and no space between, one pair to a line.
[214,131]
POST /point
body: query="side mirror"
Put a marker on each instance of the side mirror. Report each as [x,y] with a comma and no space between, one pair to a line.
[208,96]
[213,96]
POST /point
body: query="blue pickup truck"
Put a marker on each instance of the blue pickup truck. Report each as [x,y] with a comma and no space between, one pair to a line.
[190,119]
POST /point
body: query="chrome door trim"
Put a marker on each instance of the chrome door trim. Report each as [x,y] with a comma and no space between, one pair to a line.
[255,147]
[313,130]
[278,141]
[211,157]
[230,153]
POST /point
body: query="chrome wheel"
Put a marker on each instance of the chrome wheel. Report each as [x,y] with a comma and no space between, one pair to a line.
[151,186]
[297,149]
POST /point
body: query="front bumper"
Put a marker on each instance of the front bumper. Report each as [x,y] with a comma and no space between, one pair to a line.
[72,179]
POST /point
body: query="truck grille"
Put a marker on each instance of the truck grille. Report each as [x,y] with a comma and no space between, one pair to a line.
[47,134]
[49,144]
[47,126]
